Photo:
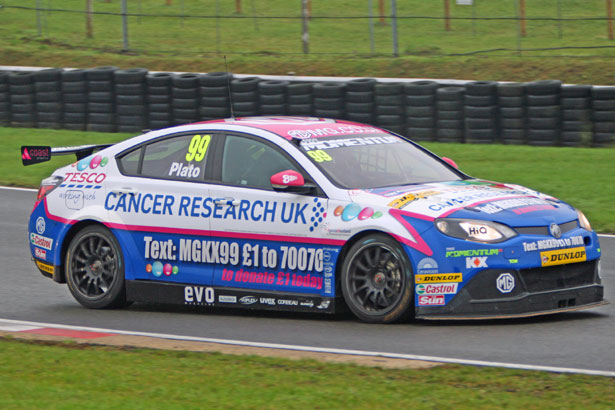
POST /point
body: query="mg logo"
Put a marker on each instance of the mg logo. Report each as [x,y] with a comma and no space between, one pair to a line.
[40,225]
[505,283]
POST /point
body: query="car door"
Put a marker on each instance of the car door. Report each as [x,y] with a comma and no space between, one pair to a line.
[267,240]
[158,208]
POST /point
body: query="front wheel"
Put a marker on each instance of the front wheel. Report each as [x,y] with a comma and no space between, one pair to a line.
[95,269]
[377,280]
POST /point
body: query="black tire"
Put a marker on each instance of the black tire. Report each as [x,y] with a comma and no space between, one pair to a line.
[49,117]
[542,100]
[272,99]
[130,99]
[329,89]
[100,85]
[390,110]
[103,108]
[300,99]
[186,114]
[336,114]
[159,79]
[214,112]
[450,124]
[134,120]
[185,93]
[221,91]
[363,108]
[272,87]
[545,111]
[130,89]
[580,115]
[75,107]
[604,105]
[75,87]
[576,126]
[481,123]
[390,120]
[160,115]
[160,107]
[73,75]
[449,106]
[360,96]
[75,98]
[216,79]
[21,89]
[361,84]
[94,268]
[23,108]
[512,123]
[134,128]
[248,106]
[393,99]
[377,280]
[130,109]
[449,135]
[54,125]
[542,137]
[480,100]
[603,93]
[421,122]
[44,86]
[80,126]
[186,80]
[511,112]
[480,112]
[159,99]
[450,94]
[423,87]
[48,74]
[544,123]
[481,88]
[575,138]
[159,124]
[299,89]
[300,109]
[248,96]
[544,87]
[604,127]
[365,118]
[100,127]
[245,84]
[100,96]
[322,103]
[511,102]
[130,76]
[22,99]
[602,139]
[75,117]
[101,118]
[420,100]
[575,103]
[427,111]
[576,91]
[20,77]
[214,101]
[511,89]
[512,136]
[450,115]
[51,96]
[273,109]
[185,103]
[100,73]
[480,136]
[389,88]
[603,116]
[423,134]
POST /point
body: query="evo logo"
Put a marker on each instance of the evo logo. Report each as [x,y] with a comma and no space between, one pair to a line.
[198,295]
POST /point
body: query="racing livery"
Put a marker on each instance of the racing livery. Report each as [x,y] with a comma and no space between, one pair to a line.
[305,214]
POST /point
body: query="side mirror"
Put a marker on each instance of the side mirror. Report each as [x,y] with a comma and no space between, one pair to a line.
[450,162]
[290,181]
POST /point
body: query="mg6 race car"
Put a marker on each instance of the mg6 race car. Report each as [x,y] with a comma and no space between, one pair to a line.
[305,214]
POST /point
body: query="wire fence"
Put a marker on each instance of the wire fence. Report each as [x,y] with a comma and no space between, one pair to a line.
[375,27]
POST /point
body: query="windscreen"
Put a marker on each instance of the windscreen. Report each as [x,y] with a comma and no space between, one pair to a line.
[374,161]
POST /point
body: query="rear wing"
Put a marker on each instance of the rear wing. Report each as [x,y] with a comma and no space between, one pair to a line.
[31,154]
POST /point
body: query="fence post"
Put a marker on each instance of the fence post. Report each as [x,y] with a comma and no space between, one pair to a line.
[559,18]
[518,28]
[371,26]
[447,15]
[238,6]
[89,9]
[609,16]
[38,18]
[394,27]
[522,12]
[218,26]
[381,12]
[254,16]
[305,37]
[124,25]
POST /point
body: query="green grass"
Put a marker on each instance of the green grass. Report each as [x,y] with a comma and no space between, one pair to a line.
[337,46]
[584,177]
[75,376]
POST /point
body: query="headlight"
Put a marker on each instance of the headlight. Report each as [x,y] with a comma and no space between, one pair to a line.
[583,221]
[475,230]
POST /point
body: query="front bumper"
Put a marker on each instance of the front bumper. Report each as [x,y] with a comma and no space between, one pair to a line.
[537,291]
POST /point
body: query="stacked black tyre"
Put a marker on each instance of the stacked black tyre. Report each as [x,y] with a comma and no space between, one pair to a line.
[5,115]
[359,100]
[214,92]
[101,99]
[543,112]
[329,100]
[420,110]
[159,97]
[481,125]
[390,106]
[449,113]
[48,96]
[300,99]
[130,100]
[75,99]
[185,100]
[272,97]
[245,96]
[21,91]
[511,106]
[603,114]
[576,115]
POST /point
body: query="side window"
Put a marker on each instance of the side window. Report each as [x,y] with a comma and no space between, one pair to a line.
[251,163]
[181,157]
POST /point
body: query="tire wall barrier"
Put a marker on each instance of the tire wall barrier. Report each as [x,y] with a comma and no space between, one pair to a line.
[109,99]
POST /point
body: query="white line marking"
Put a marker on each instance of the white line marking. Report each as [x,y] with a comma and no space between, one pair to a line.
[14,188]
[322,349]
[16,328]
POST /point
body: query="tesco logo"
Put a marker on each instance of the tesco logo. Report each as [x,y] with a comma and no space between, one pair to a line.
[91,177]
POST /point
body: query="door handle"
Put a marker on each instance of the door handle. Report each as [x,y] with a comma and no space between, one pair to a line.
[226,201]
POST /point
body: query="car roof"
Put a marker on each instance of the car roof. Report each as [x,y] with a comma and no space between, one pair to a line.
[300,127]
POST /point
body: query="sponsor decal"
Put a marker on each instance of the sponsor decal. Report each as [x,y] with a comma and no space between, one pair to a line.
[353,210]
[439,277]
[267,301]
[476,262]
[437,289]
[307,303]
[179,169]
[158,269]
[564,256]
[430,300]
[227,299]
[553,243]
[472,252]
[505,283]
[339,130]
[89,177]
[399,203]
[324,304]
[198,295]
[288,302]
[522,205]
[41,241]
[40,253]
[459,201]
[45,267]
[555,231]
[427,266]
[74,199]
[248,300]
[34,154]
[40,225]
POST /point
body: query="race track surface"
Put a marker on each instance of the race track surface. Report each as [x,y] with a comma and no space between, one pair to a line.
[581,340]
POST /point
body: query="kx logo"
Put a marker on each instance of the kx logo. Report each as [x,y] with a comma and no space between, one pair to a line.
[477,262]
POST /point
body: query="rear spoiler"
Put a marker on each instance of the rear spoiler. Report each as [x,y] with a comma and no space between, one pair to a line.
[31,154]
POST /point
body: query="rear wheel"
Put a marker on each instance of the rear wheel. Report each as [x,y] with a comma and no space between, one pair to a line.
[377,280]
[95,269]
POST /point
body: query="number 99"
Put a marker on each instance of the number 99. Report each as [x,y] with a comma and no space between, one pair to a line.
[319,155]
[198,148]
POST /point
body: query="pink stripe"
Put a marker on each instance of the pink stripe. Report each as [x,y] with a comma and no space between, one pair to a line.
[450,211]
[78,334]
[224,234]
[57,218]
[419,216]
[419,244]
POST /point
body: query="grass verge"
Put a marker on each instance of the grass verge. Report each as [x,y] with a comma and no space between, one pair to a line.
[584,177]
[67,375]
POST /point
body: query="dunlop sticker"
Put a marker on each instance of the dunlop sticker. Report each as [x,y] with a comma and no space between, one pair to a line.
[438,277]
[563,256]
